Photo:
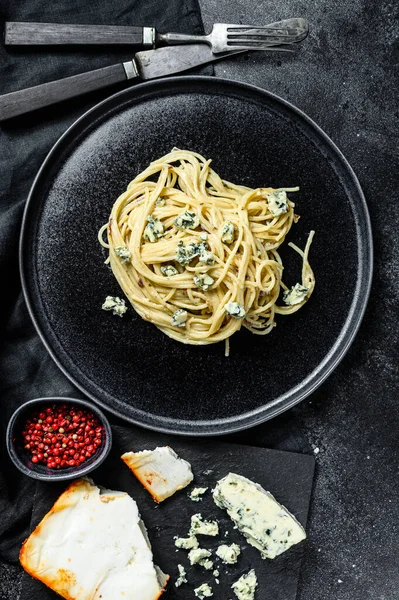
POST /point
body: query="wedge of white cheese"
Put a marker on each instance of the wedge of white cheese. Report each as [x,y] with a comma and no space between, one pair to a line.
[267,525]
[160,471]
[93,545]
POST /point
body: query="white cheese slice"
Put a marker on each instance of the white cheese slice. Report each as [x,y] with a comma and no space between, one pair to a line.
[267,525]
[93,545]
[160,471]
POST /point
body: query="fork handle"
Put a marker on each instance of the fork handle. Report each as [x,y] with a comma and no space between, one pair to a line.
[181,38]
[28,34]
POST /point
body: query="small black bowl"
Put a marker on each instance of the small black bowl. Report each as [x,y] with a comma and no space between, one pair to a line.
[22,458]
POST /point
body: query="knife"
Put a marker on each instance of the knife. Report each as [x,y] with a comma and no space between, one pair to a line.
[148,64]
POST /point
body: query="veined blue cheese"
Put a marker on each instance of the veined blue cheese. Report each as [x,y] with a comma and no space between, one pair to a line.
[179,318]
[185,254]
[123,253]
[182,576]
[278,203]
[295,295]
[169,271]
[201,527]
[196,494]
[235,310]
[189,543]
[116,304]
[267,525]
[203,281]
[187,220]
[154,229]
[160,202]
[227,234]
[200,556]
[228,554]
[203,591]
[244,588]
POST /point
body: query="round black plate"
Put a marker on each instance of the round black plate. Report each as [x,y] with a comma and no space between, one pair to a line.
[129,366]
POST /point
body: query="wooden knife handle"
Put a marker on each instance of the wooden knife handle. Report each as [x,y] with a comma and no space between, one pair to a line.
[27,34]
[46,94]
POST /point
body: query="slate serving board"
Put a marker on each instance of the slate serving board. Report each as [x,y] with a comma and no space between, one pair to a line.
[287,475]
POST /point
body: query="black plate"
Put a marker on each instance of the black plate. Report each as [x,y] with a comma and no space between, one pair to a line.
[129,366]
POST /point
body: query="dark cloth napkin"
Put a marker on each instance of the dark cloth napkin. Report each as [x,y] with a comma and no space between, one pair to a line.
[26,370]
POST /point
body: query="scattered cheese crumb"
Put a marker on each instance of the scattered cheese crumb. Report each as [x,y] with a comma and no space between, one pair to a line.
[200,527]
[182,576]
[203,591]
[196,494]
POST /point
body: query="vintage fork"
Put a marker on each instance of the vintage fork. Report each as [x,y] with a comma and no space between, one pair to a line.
[225,37]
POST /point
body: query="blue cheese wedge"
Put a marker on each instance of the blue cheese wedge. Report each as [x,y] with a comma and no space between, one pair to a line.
[295,295]
[203,281]
[278,203]
[187,220]
[235,310]
[200,556]
[227,233]
[179,318]
[182,576]
[93,544]
[203,591]
[188,543]
[123,253]
[267,525]
[196,493]
[201,527]
[228,554]
[169,271]
[245,587]
[161,471]
[116,304]
[153,230]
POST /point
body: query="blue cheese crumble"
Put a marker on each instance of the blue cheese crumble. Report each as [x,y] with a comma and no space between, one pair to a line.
[123,253]
[227,234]
[153,230]
[189,543]
[203,591]
[182,576]
[179,318]
[185,254]
[187,220]
[196,493]
[115,304]
[295,295]
[278,203]
[169,271]
[160,202]
[201,527]
[203,281]
[244,588]
[228,554]
[200,556]
[235,310]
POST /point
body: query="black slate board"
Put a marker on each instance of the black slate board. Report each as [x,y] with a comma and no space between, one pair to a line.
[288,476]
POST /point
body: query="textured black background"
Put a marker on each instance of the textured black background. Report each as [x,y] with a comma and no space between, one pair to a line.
[346,79]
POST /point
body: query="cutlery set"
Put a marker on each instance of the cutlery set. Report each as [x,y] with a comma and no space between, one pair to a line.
[165,54]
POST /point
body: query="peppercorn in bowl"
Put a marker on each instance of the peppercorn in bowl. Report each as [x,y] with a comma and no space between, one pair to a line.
[56,439]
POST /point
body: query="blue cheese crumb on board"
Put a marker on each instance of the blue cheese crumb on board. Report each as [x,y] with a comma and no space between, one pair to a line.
[228,554]
[203,591]
[182,576]
[267,525]
[116,304]
[197,493]
[188,543]
[200,556]
[201,527]
[245,587]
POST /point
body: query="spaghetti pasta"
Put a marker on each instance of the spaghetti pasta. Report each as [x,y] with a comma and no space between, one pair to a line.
[197,256]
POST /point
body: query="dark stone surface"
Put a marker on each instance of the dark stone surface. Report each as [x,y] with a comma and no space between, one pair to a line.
[345,78]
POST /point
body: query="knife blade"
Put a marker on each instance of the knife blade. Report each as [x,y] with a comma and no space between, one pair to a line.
[146,65]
